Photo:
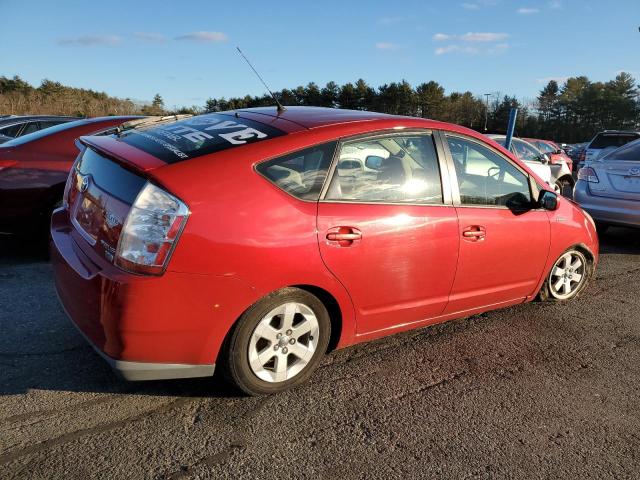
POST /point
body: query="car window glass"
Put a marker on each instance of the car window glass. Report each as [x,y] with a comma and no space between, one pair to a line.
[485,177]
[628,152]
[545,147]
[49,123]
[395,168]
[11,130]
[612,140]
[30,128]
[525,152]
[302,173]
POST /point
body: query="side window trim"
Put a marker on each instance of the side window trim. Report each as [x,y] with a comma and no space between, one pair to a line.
[440,153]
[453,176]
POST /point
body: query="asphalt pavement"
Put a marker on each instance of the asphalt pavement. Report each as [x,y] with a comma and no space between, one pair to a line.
[540,390]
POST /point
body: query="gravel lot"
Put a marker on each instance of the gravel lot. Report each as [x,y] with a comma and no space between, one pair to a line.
[534,391]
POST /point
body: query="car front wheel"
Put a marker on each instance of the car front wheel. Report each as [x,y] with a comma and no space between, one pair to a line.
[568,277]
[277,343]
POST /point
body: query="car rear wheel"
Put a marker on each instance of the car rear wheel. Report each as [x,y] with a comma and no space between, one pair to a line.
[277,343]
[568,277]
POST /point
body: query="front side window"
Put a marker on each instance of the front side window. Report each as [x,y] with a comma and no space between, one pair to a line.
[302,173]
[395,168]
[485,177]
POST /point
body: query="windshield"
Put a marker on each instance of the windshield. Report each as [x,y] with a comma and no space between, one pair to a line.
[45,132]
[629,152]
[612,140]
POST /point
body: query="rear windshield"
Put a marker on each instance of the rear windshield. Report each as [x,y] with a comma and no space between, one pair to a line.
[198,136]
[628,152]
[110,176]
[30,137]
[604,140]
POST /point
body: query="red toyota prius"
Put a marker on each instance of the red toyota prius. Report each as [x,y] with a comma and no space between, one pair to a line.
[255,240]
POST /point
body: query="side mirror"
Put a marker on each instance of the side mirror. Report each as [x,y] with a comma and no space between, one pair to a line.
[548,200]
[546,159]
[559,151]
[373,162]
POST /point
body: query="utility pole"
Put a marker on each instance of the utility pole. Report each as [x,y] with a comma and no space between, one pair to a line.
[486,111]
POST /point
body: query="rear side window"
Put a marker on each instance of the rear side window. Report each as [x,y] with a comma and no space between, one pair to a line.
[628,152]
[389,169]
[302,173]
[201,135]
[603,140]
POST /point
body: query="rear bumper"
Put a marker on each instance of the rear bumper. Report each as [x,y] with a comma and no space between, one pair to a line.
[146,328]
[141,371]
[608,210]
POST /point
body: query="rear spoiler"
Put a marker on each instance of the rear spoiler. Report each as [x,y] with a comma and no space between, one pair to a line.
[121,153]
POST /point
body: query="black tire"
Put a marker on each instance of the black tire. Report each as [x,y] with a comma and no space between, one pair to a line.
[547,295]
[234,359]
[602,227]
[565,187]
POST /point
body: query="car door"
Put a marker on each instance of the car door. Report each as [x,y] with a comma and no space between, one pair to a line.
[504,241]
[387,228]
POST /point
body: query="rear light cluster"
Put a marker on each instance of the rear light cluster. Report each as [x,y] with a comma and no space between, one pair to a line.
[588,174]
[150,231]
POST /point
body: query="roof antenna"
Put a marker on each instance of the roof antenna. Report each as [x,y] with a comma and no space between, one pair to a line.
[275,99]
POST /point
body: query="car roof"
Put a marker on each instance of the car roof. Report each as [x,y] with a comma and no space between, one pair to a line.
[25,118]
[314,117]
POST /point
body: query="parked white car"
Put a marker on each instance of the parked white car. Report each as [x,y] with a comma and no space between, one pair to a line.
[534,158]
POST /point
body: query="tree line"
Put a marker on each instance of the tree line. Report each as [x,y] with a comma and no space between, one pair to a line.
[570,111]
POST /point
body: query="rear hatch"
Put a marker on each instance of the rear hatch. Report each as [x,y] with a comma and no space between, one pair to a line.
[112,170]
[101,192]
[619,173]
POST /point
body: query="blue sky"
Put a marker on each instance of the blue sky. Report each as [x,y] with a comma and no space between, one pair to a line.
[185,50]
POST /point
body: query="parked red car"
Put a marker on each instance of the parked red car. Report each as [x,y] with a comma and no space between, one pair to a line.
[255,240]
[35,167]
[556,153]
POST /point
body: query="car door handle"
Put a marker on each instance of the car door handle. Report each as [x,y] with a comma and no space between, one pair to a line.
[344,236]
[474,233]
[334,237]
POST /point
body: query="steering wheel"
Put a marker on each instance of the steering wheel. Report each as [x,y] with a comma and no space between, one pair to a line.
[496,173]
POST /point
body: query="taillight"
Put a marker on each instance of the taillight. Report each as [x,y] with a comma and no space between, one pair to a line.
[150,231]
[588,174]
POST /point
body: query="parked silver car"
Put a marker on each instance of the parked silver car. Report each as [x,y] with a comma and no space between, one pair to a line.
[604,143]
[609,188]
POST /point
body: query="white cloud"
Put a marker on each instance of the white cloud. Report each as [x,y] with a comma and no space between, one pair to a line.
[441,37]
[470,6]
[472,37]
[527,11]
[555,4]
[387,46]
[150,37]
[483,37]
[204,37]
[92,41]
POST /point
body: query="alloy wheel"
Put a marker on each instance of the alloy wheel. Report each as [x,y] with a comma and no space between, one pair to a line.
[283,342]
[568,275]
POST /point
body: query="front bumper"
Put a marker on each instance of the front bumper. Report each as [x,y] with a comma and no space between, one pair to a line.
[607,210]
[146,328]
